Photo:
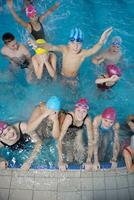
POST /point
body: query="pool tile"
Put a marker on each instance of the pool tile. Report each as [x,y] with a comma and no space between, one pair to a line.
[20,194]
[19,172]
[5,172]
[122,181]
[100,195]
[131,180]
[5,181]
[69,174]
[123,194]
[98,183]
[131,193]
[46,173]
[111,195]
[110,182]
[86,174]
[45,184]
[22,182]
[69,196]
[68,184]
[87,195]
[98,174]
[4,194]
[86,184]
[44,195]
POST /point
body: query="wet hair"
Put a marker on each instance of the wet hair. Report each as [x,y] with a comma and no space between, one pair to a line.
[7,37]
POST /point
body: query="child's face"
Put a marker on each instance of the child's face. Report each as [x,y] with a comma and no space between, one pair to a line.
[75,46]
[107,123]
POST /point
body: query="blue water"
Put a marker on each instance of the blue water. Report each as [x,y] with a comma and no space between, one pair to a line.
[18,99]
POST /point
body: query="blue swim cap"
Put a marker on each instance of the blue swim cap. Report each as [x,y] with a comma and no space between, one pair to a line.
[76,35]
[54,103]
[117,41]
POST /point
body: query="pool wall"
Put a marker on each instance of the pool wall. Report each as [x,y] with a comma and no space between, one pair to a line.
[73,185]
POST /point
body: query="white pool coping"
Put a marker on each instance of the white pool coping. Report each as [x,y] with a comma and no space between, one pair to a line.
[70,185]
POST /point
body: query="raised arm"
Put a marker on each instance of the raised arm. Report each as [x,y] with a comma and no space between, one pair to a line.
[97,46]
[36,118]
[47,46]
[50,10]
[17,18]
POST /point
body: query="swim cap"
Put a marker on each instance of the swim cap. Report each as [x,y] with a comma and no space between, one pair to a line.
[76,35]
[113,70]
[3,125]
[54,103]
[109,113]
[30,11]
[132,142]
[83,103]
[41,50]
[117,41]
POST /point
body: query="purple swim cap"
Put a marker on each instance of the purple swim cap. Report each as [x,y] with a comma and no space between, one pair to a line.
[83,103]
[109,113]
[3,125]
[30,11]
[113,70]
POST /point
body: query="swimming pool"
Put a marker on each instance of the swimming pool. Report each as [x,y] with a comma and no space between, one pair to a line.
[18,99]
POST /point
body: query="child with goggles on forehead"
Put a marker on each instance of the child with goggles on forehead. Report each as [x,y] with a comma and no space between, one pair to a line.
[73,54]
[34,27]
[110,56]
[71,145]
[15,137]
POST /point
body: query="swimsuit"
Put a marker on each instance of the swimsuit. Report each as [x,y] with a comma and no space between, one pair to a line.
[20,144]
[73,129]
[73,147]
[22,62]
[37,34]
[105,143]
[44,130]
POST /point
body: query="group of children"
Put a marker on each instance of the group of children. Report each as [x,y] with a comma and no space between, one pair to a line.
[48,119]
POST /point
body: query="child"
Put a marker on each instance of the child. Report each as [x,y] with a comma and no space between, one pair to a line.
[42,59]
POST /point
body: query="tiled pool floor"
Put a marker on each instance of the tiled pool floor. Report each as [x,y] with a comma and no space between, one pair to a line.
[70,185]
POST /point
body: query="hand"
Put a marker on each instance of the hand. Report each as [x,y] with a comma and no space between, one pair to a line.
[26,166]
[32,43]
[10,3]
[3,164]
[88,166]
[96,166]
[49,112]
[105,35]
[114,78]
[114,164]
[62,166]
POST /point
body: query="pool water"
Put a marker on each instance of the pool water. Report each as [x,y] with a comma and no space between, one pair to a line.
[18,99]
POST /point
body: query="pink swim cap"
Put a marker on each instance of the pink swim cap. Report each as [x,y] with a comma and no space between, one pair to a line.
[3,125]
[113,70]
[30,11]
[109,113]
[82,103]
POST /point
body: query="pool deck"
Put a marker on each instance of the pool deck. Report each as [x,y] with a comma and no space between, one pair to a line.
[70,185]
